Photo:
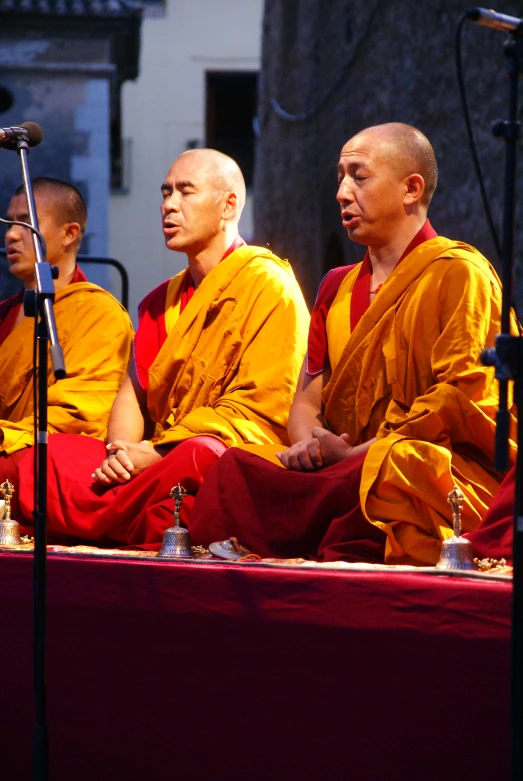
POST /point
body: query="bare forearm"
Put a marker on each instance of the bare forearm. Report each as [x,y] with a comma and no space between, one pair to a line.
[303,418]
[128,427]
[126,421]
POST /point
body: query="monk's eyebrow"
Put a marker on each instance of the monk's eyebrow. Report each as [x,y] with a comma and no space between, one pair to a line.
[352,165]
[181,185]
[20,217]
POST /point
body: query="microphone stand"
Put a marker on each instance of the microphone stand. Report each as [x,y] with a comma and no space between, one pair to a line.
[507,358]
[40,306]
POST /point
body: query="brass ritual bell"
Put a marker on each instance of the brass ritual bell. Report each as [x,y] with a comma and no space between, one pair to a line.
[176,540]
[9,529]
[456,552]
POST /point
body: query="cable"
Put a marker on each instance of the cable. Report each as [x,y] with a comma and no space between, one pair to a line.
[472,142]
[34,230]
[303,117]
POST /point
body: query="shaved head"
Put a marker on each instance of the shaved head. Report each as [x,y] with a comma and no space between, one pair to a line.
[65,201]
[408,151]
[223,171]
[203,196]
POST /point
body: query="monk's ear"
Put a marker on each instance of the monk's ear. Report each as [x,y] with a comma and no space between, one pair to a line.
[230,206]
[71,234]
[415,187]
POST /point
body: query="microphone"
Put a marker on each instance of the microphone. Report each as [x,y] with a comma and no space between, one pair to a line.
[489,18]
[29,131]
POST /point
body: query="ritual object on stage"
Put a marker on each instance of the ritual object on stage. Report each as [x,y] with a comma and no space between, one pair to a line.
[229,549]
[9,529]
[176,542]
[456,552]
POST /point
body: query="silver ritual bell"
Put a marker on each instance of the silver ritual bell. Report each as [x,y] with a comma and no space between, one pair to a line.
[9,529]
[176,540]
[456,552]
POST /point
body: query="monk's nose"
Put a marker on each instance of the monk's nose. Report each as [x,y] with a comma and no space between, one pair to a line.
[343,195]
[172,204]
[12,233]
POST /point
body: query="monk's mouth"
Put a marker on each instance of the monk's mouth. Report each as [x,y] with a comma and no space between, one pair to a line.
[349,220]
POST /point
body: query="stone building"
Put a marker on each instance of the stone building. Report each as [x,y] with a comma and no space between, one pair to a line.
[332,67]
[62,64]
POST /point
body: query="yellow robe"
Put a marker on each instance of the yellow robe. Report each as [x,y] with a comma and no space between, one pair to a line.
[231,360]
[96,337]
[410,375]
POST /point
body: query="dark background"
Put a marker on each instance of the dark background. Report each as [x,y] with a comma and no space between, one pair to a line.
[361,63]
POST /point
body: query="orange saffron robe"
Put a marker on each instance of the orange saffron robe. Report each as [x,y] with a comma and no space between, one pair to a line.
[96,337]
[229,365]
[410,375]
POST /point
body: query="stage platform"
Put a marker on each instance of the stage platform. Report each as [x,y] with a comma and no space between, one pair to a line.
[251,672]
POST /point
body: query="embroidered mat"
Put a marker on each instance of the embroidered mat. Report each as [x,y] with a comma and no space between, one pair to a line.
[495,571]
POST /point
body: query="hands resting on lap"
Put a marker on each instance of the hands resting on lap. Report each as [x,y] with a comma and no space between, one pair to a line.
[322,449]
[124,460]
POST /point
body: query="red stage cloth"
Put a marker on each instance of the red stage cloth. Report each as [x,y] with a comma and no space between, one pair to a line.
[217,671]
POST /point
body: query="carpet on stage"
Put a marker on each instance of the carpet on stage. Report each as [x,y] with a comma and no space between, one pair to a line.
[257,671]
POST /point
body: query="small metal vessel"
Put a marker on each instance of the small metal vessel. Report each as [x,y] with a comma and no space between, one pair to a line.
[228,549]
[456,552]
[176,542]
[9,529]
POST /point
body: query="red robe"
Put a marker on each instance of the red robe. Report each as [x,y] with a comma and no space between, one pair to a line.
[494,537]
[81,510]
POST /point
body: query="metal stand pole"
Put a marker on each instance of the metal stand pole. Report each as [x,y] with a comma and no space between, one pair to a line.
[506,357]
[46,330]
[517,607]
[40,735]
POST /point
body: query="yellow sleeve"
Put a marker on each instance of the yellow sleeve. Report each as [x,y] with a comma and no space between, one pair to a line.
[96,341]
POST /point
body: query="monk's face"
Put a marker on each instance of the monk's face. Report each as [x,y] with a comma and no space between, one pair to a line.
[18,240]
[191,207]
[371,190]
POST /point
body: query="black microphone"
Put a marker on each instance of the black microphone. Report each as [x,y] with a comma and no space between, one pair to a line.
[489,18]
[29,131]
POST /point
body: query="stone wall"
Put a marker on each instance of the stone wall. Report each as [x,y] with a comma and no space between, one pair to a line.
[62,65]
[72,106]
[338,66]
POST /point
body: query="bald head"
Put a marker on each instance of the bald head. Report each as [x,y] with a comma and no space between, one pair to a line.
[62,198]
[408,151]
[202,198]
[222,172]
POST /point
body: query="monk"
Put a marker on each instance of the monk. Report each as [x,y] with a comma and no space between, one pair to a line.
[94,330]
[217,355]
[393,406]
